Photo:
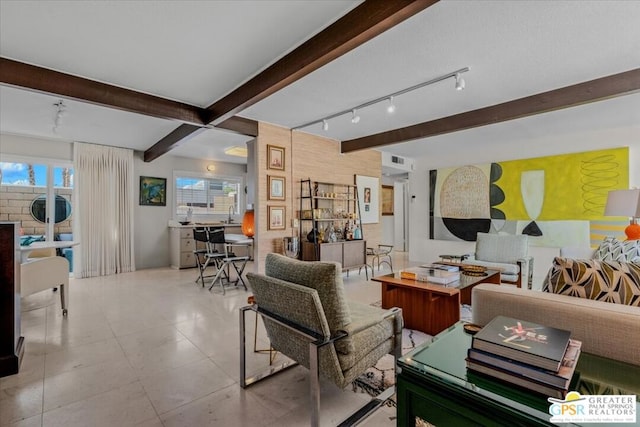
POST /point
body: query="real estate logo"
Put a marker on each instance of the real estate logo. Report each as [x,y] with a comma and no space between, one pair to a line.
[593,408]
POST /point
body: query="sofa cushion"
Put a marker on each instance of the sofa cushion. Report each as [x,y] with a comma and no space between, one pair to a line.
[609,281]
[501,247]
[612,249]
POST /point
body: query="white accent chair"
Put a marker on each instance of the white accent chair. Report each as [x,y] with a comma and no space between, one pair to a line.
[39,274]
[507,253]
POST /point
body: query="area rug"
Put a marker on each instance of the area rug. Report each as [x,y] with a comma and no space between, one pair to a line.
[380,377]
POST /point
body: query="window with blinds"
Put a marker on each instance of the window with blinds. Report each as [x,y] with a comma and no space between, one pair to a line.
[208,195]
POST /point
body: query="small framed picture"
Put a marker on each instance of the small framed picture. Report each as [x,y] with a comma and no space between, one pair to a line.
[275,157]
[276,218]
[276,187]
[153,191]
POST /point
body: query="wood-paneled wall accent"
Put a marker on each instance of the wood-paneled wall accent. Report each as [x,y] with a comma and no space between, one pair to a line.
[265,240]
[306,156]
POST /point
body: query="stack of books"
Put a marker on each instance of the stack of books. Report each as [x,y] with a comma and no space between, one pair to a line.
[433,275]
[540,358]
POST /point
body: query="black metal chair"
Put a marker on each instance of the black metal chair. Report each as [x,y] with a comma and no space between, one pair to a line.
[209,255]
[227,260]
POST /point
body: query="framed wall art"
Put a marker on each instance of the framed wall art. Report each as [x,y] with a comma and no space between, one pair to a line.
[368,198]
[276,190]
[275,157]
[276,218]
[153,191]
[387,200]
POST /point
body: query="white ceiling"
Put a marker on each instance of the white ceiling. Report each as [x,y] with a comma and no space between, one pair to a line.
[197,51]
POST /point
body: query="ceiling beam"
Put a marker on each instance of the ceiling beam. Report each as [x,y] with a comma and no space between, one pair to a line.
[611,86]
[364,22]
[52,82]
[240,125]
[176,138]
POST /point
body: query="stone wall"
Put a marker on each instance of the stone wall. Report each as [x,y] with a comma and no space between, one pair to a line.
[15,203]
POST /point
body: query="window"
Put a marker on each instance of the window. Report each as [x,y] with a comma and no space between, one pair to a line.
[208,195]
[40,195]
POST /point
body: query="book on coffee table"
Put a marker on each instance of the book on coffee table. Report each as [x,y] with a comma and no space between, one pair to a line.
[491,372]
[433,275]
[522,341]
[560,379]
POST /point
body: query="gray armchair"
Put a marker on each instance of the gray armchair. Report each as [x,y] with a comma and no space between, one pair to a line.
[308,319]
[507,253]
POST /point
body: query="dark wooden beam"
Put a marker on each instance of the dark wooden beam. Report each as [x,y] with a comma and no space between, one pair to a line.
[176,138]
[240,125]
[358,26]
[52,82]
[611,86]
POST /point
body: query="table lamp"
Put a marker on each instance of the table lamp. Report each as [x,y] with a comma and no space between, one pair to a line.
[247,222]
[625,203]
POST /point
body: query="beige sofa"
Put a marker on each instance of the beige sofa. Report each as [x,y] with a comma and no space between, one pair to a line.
[605,329]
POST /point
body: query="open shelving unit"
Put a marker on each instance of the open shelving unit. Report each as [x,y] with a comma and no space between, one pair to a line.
[333,211]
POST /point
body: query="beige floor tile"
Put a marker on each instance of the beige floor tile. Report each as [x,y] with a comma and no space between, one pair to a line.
[159,352]
[176,387]
[124,406]
[230,406]
[82,356]
[136,322]
[20,402]
[31,370]
[35,421]
[82,383]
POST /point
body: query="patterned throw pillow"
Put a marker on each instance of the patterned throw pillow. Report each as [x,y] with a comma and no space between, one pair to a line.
[610,281]
[612,249]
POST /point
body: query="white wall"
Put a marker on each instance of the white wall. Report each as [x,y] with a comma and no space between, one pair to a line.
[421,249]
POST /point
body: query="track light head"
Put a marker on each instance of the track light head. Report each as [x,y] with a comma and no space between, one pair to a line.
[325,125]
[391,108]
[354,117]
[460,84]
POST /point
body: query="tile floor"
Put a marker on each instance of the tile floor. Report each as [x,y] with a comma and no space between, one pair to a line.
[152,348]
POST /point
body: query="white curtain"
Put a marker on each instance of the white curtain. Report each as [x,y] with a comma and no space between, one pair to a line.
[104,200]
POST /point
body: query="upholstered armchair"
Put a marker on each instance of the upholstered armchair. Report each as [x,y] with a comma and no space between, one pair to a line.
[309,320]
[507,253]
[39,274]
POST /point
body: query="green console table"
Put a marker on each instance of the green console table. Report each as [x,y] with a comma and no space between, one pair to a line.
[434,385]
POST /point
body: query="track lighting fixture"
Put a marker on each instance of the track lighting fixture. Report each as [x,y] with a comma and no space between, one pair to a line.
[60,111]
[391,108]
[354,117]
[459,82]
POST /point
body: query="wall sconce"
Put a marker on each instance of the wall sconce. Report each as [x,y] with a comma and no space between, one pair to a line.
[625,203]
[211,168]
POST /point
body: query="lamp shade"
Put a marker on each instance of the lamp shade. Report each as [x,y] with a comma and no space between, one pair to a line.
[623,203]
[247,223]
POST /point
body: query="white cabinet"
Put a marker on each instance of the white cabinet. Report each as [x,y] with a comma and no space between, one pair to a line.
[182,245]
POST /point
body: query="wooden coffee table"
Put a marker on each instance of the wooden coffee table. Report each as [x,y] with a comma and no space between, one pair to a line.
[430,307]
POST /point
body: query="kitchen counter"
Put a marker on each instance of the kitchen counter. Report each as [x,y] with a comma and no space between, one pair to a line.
[182,244]
[176,224]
